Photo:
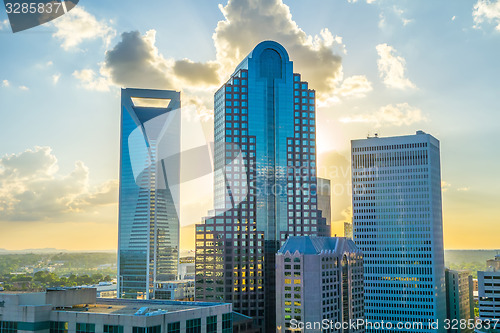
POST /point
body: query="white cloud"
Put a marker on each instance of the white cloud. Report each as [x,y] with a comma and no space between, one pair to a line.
[55,78]
[24,88]
[463,189]
[445,186]
[355,86]
[486,11]
[389,115]
[5,83]
[32,189]
[78,25]
[392,68]
[400,13]
[91,81]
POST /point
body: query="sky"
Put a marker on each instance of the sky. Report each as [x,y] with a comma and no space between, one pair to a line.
[385,67]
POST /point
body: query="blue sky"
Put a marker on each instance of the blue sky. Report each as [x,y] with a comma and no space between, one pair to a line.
[387,67]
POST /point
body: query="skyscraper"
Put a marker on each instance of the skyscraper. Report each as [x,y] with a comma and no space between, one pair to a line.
[148,225]
[324,205]
[265,182]
[319,283]
[397,220]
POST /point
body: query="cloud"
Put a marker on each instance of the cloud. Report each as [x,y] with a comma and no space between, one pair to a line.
[5,83]
[389,115]
[400,13]
[4,24]
[463,189]
[136,62]
[197,72]
[24,88]
[78,26]
[392,68]
[355,86]
[91,81]
[486,11]
[249,22]
[32,189]
[445,186]
[55,78]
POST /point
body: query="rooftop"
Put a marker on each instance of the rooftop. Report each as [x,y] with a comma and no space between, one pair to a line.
[131,307]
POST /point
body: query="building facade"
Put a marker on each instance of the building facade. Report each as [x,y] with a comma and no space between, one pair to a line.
[148,223]
[348,230]
[459,299]
[264,183]
[489,295]
[319,284]
[178,290]
[324,191]
[397,222]
[79,311]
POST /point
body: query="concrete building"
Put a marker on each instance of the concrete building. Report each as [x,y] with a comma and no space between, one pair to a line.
[264,183]
[186,270]
[397,221]
[79,311]
[489,294]
[325,206]
[459,299]
[178,290]
[318,280]
[148,222]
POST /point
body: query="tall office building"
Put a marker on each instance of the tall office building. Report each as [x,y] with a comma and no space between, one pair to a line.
[324,190]
[265,182]
[319,284]
[459,300]
[148,225]
[489,296]
[397,221]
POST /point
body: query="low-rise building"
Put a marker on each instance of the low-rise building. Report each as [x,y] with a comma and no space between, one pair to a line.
[179,290]
[78,310]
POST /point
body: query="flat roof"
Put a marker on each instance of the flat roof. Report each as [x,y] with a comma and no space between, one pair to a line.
[130,307]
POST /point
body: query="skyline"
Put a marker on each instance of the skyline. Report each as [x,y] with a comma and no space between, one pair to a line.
[379,85]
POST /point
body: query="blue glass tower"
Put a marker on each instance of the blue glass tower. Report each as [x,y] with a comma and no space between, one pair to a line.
[265,182]
[397,220]
[148,226]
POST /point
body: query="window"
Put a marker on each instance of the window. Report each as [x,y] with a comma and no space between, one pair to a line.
[85,328]
[10,327]
[227,325]
[193,326]
[174,327]
[113,329]
[58,327]
[151,329]
[212,324]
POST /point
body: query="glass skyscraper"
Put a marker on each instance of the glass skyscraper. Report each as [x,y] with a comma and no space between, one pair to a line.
[148,226]
[397,220]
[264,184]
